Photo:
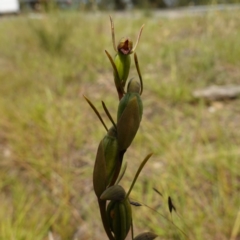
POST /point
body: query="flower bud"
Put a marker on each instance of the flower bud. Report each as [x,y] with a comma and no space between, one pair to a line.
[115,192]
[146,236]
[122,61]
[134,86]
[129,116]
[120,218]
[105,162]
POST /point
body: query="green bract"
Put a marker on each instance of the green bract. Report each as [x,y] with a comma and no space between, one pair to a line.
[105,162]
[129,116]
[134,86]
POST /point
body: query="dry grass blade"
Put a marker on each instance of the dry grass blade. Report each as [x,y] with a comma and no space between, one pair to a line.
[170,205]
[157,192]
[136,204]
[236,228]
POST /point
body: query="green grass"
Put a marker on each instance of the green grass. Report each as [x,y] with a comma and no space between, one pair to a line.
[49,135]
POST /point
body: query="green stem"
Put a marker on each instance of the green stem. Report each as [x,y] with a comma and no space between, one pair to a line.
[102,207]
[118,167]
[118,84]
[122,172]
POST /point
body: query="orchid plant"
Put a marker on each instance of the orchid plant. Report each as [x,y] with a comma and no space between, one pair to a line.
[113,200]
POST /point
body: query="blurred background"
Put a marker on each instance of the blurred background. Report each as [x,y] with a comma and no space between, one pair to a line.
[119,5]
[52,53]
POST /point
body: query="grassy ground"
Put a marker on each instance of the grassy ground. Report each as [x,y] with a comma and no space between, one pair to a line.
[49,135]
